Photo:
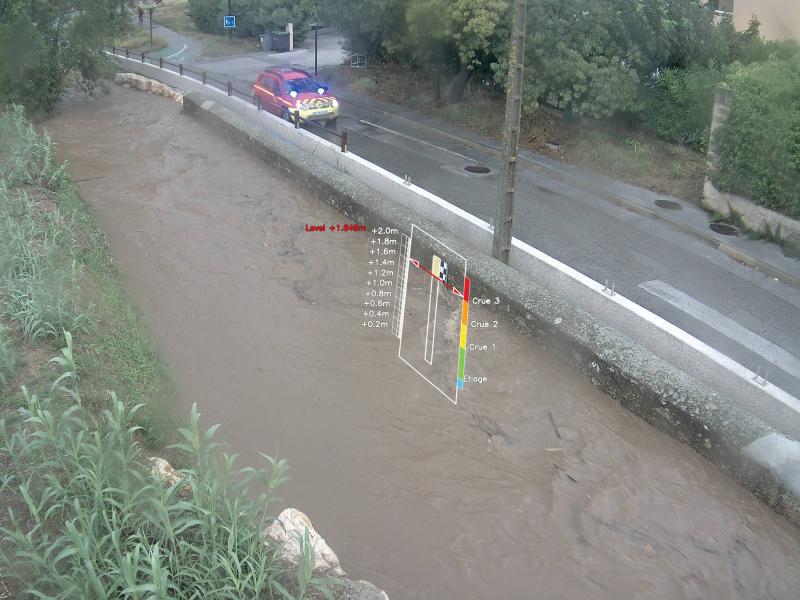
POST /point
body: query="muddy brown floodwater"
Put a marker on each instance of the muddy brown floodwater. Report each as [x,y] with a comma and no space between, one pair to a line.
[262,323]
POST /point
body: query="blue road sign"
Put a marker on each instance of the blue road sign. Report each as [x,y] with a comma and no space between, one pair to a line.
[229,21]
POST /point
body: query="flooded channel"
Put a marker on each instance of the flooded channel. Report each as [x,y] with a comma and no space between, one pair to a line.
[535,485]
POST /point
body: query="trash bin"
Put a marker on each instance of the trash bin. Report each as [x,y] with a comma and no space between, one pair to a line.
[280,41]
[266,41]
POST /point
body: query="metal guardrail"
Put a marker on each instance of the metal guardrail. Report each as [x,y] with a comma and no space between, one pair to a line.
[224,86]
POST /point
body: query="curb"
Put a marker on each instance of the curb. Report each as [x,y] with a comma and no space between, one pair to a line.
[737,255]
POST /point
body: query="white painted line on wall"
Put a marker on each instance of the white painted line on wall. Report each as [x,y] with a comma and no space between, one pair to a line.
[771,352]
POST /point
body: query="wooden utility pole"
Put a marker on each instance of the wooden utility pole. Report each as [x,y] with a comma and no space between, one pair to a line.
[501,244]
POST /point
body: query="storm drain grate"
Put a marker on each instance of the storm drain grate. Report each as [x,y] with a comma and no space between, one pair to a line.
[668,204]
[724,228]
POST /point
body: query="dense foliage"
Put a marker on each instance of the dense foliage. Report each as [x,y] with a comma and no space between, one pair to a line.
[680,105]
[759,144]
[253,17]
[43,43]
[592,56]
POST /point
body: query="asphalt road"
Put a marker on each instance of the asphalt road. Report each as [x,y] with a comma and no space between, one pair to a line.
[752,318]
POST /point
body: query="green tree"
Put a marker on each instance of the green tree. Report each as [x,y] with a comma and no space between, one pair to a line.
[252,16]
[43,43]
[372,27]
[453,34]
[592,56]
[207,14]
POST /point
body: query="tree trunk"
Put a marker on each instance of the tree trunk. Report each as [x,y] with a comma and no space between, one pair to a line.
[455,91]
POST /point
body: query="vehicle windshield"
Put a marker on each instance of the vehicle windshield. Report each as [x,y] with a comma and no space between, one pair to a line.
[302,85]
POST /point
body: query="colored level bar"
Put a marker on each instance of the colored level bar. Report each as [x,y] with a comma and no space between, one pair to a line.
[462,346]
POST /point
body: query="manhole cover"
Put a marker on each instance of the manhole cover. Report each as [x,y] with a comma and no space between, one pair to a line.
[668,204]
[724,228]
[477,169]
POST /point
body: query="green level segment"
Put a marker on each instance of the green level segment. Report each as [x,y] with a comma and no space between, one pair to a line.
[462,355]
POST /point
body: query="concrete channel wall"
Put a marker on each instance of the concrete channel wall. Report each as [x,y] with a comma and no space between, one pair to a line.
[651,367]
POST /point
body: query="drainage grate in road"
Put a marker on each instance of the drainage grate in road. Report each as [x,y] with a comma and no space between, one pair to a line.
[724,228]
[477,169]
[668,204]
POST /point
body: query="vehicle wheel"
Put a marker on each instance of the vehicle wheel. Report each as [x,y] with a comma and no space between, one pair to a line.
[331,123]
[288,116]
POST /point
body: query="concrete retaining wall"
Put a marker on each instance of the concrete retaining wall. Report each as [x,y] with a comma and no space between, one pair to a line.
[668,398]
[754,217]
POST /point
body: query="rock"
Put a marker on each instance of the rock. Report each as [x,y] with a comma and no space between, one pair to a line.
[284,531]
[165,472]
[133,80]
[358,590]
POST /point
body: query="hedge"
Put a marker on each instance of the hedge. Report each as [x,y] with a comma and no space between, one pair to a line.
[758,146]
[253,17]
[680,104]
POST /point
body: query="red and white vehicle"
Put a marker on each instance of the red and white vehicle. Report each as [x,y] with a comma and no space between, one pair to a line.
[284,90]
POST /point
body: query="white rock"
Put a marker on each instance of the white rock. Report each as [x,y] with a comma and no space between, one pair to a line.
[167,474]
[284,531]
[146,84]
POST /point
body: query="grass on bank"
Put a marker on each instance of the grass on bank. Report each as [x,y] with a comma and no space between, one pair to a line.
[174,14]
[57,275]
[137,37]
[81,513]
[628,155]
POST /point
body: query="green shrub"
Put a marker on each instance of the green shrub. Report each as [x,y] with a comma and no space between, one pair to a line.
[253,17]
[207,14]
[96,522]
[680,105]
[759,144]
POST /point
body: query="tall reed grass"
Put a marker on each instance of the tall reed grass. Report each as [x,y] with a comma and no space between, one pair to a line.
[39,260]
[95,523]
[8,358]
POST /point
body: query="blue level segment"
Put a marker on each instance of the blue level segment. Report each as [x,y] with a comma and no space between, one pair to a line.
[460,384]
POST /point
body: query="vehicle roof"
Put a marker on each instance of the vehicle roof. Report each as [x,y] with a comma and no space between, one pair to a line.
[288,73]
